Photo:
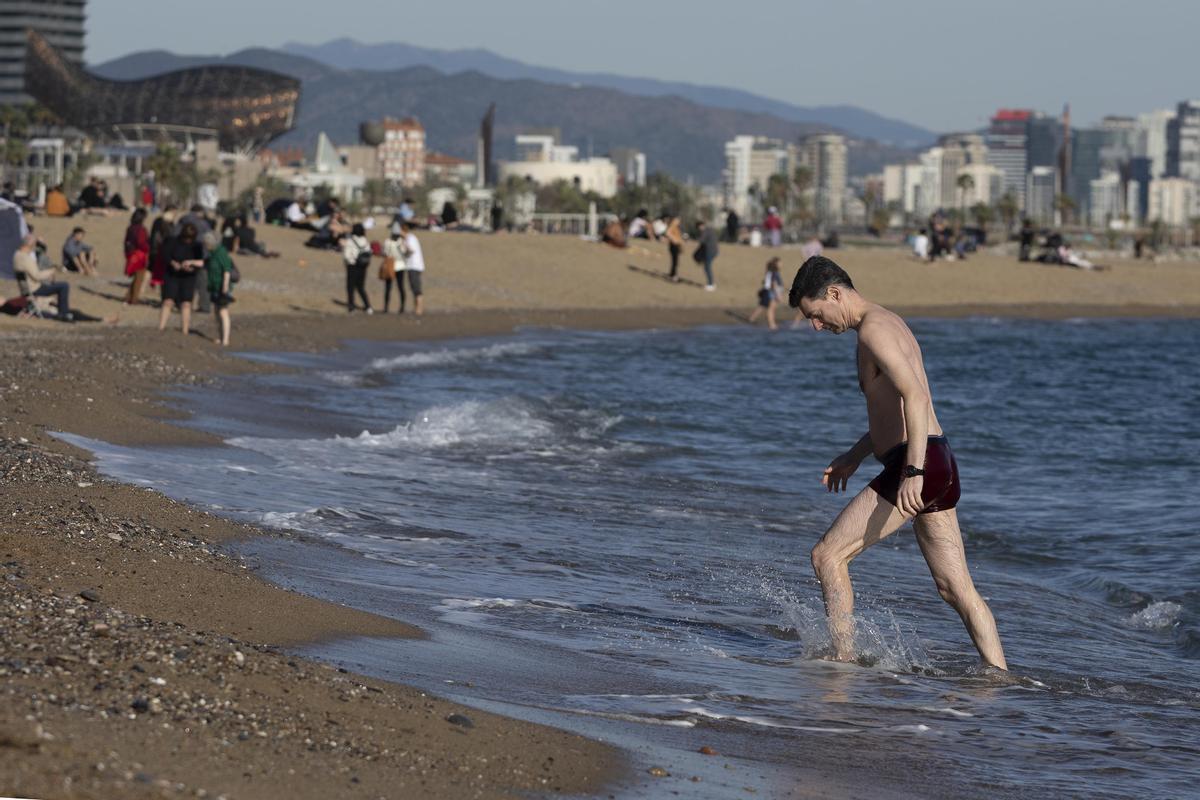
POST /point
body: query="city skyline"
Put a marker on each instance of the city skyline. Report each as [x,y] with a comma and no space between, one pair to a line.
[1031,56]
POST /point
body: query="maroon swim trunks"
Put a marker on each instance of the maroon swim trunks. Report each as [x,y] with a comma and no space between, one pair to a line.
[940,490]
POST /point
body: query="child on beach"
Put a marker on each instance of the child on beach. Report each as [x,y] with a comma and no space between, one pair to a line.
[769,295]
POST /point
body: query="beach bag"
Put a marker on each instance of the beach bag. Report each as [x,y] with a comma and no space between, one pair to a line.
[135,262]
[387,269]
[698,256]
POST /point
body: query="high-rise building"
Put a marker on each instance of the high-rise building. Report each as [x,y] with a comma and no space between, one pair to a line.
[1087,145]
[1041,188]
[1043,139]
[60,21]
[750,161]
[1007,140]
[1106,199]
[1152,139]
[825,155]
[928,193]
[1173,201]
[631,166]
[1137,190]
[1183,142]
[402,151]
[901,186]
[959,150]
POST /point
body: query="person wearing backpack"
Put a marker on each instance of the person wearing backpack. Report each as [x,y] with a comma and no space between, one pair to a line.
[356,254]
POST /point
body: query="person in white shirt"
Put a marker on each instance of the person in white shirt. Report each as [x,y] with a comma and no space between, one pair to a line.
[921,245]
[356,255]
[414,265]
[297,218]
[393,270]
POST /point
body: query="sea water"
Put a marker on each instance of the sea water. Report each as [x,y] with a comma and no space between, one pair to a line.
[617,526]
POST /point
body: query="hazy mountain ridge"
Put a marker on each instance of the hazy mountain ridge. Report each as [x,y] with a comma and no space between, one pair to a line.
[350,54]
[678,136]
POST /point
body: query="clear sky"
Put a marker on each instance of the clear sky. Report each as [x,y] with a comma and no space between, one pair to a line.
[943,64]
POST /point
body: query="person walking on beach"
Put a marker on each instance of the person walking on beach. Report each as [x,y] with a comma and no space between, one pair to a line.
[769,295]
[414,266]
[706,252]
[137,256]
[219,269]
[919,480]
[185,257]
[391,270]
[773,225]
[356,255]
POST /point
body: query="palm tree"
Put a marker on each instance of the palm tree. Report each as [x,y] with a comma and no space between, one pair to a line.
[1065,205]
[982,213]
[965,183]
[1008,209]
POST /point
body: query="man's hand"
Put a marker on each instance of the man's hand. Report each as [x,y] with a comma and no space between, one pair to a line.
[839,471]
[908,499]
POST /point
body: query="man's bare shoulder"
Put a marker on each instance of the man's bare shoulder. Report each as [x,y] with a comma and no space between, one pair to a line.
[881,328]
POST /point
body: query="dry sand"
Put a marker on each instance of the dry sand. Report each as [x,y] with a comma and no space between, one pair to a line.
[506,272]
[85,713]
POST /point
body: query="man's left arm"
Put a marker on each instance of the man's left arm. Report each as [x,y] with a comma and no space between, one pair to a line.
[885,349]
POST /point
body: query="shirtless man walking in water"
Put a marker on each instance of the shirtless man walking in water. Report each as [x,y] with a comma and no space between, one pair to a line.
[919,480]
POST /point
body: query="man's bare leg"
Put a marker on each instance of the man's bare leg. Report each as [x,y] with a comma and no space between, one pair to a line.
[941,543]
[864,521]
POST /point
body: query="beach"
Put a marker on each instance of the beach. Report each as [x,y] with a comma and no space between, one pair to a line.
[143,657]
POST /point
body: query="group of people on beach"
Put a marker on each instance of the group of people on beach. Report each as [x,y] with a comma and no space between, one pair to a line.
[401,257]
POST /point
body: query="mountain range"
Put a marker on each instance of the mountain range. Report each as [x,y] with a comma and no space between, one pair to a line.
[679,135]
[351,54]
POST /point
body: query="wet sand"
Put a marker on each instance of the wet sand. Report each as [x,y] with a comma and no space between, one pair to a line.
[139,658]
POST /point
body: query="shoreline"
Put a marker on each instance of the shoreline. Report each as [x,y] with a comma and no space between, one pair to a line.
[130,627]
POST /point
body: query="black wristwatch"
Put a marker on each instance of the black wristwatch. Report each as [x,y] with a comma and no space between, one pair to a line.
[911,472]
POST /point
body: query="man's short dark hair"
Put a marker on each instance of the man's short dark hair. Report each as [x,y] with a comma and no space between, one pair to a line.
[814,277]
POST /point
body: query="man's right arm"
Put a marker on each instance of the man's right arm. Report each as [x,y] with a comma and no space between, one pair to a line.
[862,448]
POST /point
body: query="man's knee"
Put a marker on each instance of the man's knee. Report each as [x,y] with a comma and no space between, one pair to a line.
[825,559]
[956,592]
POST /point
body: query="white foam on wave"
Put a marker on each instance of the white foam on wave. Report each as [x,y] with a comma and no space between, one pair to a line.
[447,356]
[762,722]
[1162,614]
[508,422]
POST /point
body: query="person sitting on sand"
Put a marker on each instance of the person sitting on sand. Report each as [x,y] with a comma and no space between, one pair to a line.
[248,242]
[57,204]
[1068,257]
[78,256]
[296,218]
[613,233]
[639,228]
[38,279]
[769,295]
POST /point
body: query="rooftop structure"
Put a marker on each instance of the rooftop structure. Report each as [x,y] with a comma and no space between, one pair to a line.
[60,21]
[242,107]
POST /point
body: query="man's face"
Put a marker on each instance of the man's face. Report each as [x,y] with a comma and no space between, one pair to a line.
[826,314]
